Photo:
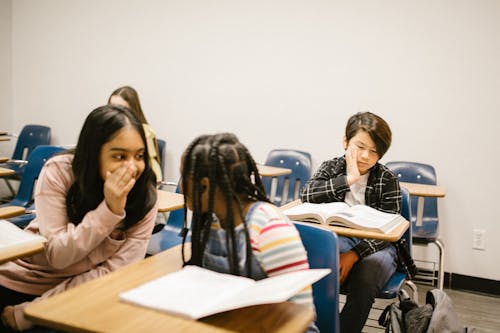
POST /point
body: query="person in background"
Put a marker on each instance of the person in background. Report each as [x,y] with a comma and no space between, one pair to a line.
[96,206]
[235,229]
[358,178]
[127,96]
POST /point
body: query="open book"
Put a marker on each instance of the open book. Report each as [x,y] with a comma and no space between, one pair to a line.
[341,214]
[195,292]
[12,237]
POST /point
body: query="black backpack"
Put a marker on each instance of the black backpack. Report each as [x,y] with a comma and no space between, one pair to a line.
[435,316]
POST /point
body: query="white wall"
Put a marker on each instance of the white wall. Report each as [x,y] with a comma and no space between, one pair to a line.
[284,74]
[6,115]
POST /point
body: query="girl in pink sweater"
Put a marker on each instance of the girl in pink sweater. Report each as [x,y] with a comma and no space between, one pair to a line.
[96,206]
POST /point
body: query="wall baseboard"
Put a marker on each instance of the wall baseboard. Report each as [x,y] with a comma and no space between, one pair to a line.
[471,283]
[459,282]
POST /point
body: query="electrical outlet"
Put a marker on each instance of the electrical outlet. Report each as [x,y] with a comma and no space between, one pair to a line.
[478,239]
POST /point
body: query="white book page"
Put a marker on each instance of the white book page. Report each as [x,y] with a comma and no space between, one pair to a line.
[277,289]
[323,209]
[191,292]
[195,292]
[11,235]
[370,217]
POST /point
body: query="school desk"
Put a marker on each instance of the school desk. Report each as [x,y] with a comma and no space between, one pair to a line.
[393,236]
[422,191]
[95,307]
[169,201]
[3,159]
[4,136]
[11,211]
[19,251]
[6,172]
[271,171]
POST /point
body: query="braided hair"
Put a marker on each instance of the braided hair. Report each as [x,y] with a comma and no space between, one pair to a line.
[228,165]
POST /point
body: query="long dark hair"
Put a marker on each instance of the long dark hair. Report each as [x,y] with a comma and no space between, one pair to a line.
[86,193]
[229,166]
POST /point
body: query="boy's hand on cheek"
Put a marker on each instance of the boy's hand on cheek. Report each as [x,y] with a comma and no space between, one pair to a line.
[353,174]
[117,186]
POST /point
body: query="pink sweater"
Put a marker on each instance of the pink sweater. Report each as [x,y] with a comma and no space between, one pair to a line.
[72,254]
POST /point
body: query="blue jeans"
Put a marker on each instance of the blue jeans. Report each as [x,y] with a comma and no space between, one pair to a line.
[363,284]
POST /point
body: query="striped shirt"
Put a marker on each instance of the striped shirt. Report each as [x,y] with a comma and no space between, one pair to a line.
[329,184]
[276,247]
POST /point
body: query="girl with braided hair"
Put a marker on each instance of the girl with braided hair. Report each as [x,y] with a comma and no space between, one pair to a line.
[235,229]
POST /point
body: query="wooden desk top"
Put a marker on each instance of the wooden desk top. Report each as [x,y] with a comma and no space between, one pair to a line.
[270,171]
[16,251]
[11,211]
[424,190]
[20,251]
[6,172]
[170,201]
[3,159]
[95,307]
[393,236]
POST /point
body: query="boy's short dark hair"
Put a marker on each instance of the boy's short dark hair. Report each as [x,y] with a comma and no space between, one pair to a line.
[376,127]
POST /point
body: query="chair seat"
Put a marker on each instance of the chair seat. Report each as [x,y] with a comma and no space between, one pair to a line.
[22,220]
[166,238]
[392,287]
[427,232]
[425,240]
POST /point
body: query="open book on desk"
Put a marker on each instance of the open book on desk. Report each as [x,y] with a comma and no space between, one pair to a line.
[195,292]
[360,217]
[16,242]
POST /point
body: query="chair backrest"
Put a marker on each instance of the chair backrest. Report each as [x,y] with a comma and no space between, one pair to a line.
[169,235]
[161,150]
[406,211]
[176,217]
[300,164]
[323,252]
[397,280]
[36,160]
[30,137]
[413,172]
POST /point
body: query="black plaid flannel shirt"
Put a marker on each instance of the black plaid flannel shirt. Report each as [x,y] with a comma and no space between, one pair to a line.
[383,193]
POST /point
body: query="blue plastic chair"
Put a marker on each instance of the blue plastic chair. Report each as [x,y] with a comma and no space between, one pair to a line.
[24,196]
[30,137]
[323,252]
[300,164]
[428,231]
[169,236]
[161,150]
[399,278]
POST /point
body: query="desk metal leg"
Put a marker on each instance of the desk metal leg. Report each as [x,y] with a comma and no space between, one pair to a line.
[420,211]
[274,186]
